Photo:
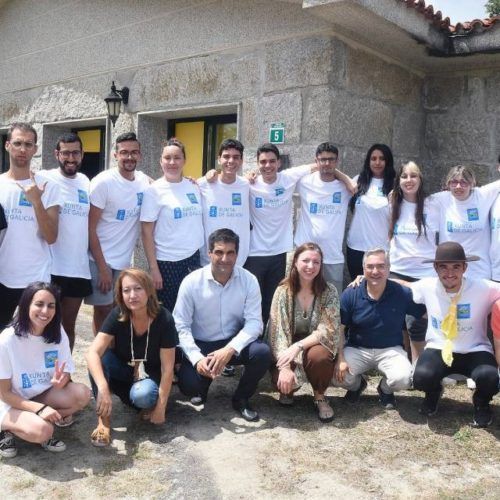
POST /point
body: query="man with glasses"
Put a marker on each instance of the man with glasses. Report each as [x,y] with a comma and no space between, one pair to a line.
[324,202]
[32,212]
[70,261]
[115,206]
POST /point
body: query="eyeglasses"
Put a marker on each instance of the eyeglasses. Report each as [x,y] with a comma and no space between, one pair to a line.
[324,161]
[67,154]
[460,182]
[129,154]
[19,144]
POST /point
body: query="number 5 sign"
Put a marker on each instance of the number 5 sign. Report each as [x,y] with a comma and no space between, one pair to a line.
[277,133]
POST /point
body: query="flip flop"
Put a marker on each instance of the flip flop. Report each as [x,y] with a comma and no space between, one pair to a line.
[100,437]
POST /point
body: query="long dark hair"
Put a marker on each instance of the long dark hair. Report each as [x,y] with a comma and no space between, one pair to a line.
[397,198]
[22,323]
[366,174]
[293,279]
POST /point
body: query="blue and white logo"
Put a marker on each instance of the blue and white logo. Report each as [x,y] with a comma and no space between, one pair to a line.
[25,381]
[83,197]
[258,203]
[279,191]
[395,229]
[177,213]
[313,208]
[337,197]
[236,199]
[472,214]
[139,199]
[120,214]
[50,359]
[449,226]
[192,198]
[212,211]
[23,202]
[463,311]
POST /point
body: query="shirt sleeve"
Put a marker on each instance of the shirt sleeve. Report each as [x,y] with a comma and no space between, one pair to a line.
[295,173]
[345,306]
[98,192]
[150,207]
[414,309]
[416,291]
[5,365]
[169,338]
[252,315]
[110,324]
[489,192]
[51,196]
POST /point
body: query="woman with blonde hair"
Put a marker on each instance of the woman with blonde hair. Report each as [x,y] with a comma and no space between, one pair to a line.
[138,330]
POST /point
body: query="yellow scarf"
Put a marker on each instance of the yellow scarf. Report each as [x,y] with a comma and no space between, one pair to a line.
[449,327]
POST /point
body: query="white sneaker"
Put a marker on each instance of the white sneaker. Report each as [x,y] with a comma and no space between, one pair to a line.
[54,445]
[8,447]
[471,384]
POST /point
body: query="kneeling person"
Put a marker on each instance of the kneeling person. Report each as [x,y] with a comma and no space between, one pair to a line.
[374,312]
[218,318]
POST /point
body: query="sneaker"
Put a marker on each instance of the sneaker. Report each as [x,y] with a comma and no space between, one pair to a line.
[430,403]
[388,401]
[353,396]
[8,448]
[471,384]
[482,416]
[228,371]
[197,401]
[54,445]
[285,399]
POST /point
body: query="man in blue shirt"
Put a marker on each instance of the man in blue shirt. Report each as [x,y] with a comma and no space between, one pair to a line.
[374,314]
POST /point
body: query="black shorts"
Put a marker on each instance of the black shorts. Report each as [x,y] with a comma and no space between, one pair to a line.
[73,287]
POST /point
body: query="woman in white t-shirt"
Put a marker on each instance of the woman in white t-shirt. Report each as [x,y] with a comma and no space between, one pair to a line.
[370,206]
[464,216]
[413,232]
[172,225]
[36,391]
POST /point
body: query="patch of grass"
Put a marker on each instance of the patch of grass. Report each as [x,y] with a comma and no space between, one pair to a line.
[23,484]
[463,435]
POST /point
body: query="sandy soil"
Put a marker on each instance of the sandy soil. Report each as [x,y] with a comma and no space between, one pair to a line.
[366,452]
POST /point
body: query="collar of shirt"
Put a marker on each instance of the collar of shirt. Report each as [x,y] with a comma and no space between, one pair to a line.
[208,276]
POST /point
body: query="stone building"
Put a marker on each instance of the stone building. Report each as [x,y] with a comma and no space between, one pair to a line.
[351,71]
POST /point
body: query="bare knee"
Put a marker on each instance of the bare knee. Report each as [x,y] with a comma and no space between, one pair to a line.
[80,394]
[40,432]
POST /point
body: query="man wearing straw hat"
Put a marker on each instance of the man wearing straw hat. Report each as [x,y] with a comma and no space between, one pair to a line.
[456,337]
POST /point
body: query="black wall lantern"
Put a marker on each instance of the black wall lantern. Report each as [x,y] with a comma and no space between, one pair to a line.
[114,101]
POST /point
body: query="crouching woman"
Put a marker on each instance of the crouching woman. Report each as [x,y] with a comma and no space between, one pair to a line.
[36,391]
[138,330]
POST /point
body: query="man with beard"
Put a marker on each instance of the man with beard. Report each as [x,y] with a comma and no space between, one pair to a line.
[70,261]
[115,206]
[32,211]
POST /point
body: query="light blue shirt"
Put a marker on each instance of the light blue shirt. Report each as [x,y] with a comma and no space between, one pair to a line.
[208,311]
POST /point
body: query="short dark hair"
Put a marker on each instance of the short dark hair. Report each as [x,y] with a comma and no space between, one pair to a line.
[173,141]
[24,126]
[231,144]
[68,137]
[268,148]
[22,323]
[126,136]
[223,235]
[327,147]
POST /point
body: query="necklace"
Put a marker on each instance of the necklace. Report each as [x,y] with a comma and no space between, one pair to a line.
[133,360]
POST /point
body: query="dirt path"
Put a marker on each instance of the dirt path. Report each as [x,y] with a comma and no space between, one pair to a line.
[365,452]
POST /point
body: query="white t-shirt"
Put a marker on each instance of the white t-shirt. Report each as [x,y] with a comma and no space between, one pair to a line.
[370,223]
[322,215]
[473,308]
[24,254]
[226,206]
[176,209]
[467,223]
[495,240]
[118,227]
[271,212]
[407,249]
[29,363]
[70,251]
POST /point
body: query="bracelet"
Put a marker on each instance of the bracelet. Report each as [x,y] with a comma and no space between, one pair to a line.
[41,409]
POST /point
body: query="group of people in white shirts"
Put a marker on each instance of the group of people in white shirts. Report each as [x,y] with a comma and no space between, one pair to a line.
[80,234]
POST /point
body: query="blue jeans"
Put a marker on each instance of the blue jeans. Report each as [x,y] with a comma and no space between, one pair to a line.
[120,378]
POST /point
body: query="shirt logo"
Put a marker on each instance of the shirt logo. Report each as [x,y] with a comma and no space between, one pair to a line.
[395,229]
[449,226]
[177,213]
[472,214]
[258,203]
[50,359]
[212,212]
[279,191]
[236,199]
[25,381]
[435,323]
[313,208]
[463,311]
[120,214]
[23,202]
[83,197]
[192,198]
[139,199]
[337,197]
[380,191]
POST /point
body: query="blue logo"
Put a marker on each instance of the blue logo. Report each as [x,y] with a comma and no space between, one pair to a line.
[279,191]
[177,213]
[83,197]
[120,214]
[139,199]
[313,208]
[236,198]
[472,214]
[463,311]
[395,229]
[212,212]
[258,203]
[23,202]
[380,191]
[26,381]
[337,197]
[50,359]
[449,226]
[436,324]
[358,200]
[192,198]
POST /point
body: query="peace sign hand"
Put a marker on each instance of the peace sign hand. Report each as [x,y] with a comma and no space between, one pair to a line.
[60,378]
[33,192]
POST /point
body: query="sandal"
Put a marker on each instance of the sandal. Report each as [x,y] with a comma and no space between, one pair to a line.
[285,399]
[100,437]
[324,410]
[65,421]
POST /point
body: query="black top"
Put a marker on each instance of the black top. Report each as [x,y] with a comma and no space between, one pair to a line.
[162,334]
[3,220]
